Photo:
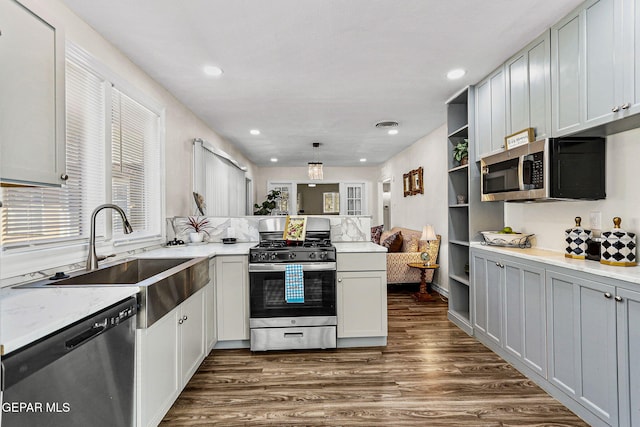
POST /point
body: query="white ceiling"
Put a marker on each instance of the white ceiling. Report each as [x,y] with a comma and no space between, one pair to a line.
[319,70]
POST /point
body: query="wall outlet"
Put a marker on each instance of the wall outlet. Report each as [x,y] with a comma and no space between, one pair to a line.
[595,220]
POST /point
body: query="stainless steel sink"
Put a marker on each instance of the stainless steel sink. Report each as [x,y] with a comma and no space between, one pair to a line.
[164,282]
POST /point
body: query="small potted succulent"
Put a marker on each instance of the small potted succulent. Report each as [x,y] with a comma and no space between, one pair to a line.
[197,228]
[461,152]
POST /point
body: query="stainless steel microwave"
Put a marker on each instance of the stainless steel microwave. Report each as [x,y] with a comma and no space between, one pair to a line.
[549,169]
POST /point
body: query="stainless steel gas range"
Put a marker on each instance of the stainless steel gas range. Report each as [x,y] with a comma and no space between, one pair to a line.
[278,323]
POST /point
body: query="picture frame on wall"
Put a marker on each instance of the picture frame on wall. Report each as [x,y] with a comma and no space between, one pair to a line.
[417,184]
[406,182]
[330,203]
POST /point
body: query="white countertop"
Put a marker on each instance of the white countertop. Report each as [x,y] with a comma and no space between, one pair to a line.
[30,314]
[199,250]
[627,274]
[344,247]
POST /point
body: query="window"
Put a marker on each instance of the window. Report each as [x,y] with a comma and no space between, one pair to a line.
[353,202]
[220,180]
[57,216]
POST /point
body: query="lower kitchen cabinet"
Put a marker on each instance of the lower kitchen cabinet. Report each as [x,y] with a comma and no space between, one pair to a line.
[577,337]
[232,297]
[582,342]
[524,314]
[487,296]
[362,295]
[509,310]
[168,354]
[628,321]
[211,323]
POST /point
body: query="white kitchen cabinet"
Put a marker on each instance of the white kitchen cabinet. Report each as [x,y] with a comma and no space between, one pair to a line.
[168,354]
[631,57]
[589,64]
[582,342]
[490,126]
[232,293]
[32,120]
[362,295]
[528,86]
[211,322]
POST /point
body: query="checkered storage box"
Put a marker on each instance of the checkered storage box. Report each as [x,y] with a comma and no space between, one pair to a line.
[618,247]
[576,239]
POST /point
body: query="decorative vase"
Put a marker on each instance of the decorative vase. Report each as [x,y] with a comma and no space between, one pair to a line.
[464,160]
[577,241]
[195,237]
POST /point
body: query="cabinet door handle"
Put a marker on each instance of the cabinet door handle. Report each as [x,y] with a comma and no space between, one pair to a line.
[64,177]
[615,109]
[607,295]
[339,279]
[180,322]
[618,298]
[184,317]
[625,106]
[499,265]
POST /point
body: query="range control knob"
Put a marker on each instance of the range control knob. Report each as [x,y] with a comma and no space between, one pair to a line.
[323,255]
[292,255]
[273,255]
[263,257]
[312,255]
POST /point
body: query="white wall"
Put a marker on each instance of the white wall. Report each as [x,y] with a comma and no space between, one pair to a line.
[430,153]
[181,124]
[370,175]
[549,220]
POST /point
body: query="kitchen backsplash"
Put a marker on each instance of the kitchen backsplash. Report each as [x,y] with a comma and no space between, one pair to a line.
[245,229]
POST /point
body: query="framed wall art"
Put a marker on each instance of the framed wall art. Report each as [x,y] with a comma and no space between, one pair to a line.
[406,184]
[417,185]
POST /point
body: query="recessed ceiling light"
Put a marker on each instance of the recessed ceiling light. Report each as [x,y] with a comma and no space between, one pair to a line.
[393,131]
[456,74]
[212,71]
[273,159]
[254,132]
[363,160]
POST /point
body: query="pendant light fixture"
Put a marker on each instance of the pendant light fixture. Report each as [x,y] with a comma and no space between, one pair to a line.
[315,167]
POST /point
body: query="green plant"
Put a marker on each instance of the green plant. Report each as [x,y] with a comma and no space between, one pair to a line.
[197,224]
[461,150]
[268,205]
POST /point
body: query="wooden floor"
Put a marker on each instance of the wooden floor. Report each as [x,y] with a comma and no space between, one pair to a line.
[430,374]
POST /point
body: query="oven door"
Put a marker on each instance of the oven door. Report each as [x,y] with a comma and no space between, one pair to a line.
[266,291]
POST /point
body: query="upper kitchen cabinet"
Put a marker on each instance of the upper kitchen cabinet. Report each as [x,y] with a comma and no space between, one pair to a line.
[32,131]
[589,62]
[631,50]
[528,88]
[490,114]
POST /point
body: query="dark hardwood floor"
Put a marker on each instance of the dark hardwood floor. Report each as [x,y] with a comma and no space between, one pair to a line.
[430,374]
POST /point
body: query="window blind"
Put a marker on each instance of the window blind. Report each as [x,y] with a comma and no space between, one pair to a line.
[221,182]
[33,216]
[135,161]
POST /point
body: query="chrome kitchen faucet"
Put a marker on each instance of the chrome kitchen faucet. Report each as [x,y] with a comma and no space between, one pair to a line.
[92,259]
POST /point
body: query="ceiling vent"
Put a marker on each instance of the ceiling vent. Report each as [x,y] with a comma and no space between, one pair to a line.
[386,125]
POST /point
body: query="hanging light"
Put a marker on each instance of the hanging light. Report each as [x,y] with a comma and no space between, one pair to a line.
[315,167]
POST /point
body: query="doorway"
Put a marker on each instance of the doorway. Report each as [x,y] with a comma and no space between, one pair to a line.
[386,204]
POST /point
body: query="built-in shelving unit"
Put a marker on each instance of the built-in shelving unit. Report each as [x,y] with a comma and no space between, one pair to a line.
[466,219]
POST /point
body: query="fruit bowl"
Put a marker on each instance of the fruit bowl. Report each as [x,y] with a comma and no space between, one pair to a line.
[497,238]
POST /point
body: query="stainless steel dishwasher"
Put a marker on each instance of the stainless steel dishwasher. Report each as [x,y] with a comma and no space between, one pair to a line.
[82,375]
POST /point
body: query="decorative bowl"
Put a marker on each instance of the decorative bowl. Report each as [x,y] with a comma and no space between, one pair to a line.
[506,239]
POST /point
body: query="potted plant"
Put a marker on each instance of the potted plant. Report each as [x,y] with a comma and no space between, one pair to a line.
[461,152]
[197,228]
[268,205]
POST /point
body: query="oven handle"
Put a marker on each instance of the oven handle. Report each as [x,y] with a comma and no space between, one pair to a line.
[267,268]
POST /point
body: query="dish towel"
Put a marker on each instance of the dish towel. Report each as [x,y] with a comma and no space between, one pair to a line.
[293,283]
